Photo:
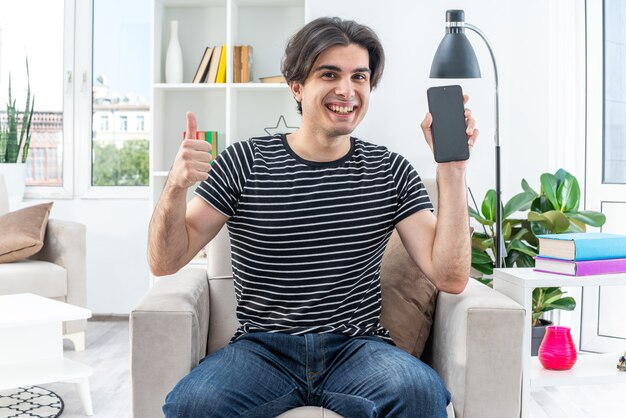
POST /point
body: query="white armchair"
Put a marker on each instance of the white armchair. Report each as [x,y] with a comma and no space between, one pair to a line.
[57,271]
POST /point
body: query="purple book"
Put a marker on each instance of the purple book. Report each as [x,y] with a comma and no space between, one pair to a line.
[580,268]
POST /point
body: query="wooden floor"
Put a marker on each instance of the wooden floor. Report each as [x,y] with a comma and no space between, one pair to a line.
[108,353]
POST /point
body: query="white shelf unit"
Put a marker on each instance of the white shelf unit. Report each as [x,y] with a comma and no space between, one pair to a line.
[590,368]
[237,111]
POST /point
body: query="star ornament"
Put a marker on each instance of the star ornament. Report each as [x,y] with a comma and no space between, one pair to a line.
[281,127]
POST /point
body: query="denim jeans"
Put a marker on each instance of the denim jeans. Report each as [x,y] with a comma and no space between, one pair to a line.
[265,374]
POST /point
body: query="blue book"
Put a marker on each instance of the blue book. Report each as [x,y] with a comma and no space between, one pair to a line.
[582,246]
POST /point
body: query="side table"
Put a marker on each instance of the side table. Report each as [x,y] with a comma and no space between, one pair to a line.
[31,351]
[518,284]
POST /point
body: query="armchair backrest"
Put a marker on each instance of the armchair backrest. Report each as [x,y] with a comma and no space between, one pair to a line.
[4,198]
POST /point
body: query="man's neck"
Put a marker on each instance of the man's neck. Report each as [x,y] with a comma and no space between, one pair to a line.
[318,148]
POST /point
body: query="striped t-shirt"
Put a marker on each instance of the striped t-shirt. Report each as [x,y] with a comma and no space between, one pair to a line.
[308,237]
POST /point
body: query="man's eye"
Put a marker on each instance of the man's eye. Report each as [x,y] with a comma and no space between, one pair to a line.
[328,75]
[360,76]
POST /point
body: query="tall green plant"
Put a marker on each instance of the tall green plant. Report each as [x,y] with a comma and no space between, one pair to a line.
[552,211]
[13,141]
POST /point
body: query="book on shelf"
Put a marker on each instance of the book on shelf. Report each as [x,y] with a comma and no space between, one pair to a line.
[211,138]
[203,66]
[214,65]
[237,64]
[580,268]
[273,79]
[246,63]
[221,69]
[582,246]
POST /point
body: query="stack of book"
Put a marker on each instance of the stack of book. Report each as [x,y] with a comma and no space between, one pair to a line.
[582,254]
[212,67]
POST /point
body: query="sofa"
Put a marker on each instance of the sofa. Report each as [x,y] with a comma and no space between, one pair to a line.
[57,271]
[474,342]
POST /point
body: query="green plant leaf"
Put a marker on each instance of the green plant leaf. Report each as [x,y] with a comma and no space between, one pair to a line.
[567,304]
[560,175]
[541,204]
[540,219]
[576,226]
[472,212]
[549,188]
[484,268]
[488,208]
[524,260]
[526,187]
[589,217]
[568,194]
[480,257]
[481,244]
[519,202]
[518,245]
[559,221]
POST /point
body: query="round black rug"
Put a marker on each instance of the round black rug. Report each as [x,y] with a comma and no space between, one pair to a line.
[31,401]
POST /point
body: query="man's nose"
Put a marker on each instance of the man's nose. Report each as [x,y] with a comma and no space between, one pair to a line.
[345,88]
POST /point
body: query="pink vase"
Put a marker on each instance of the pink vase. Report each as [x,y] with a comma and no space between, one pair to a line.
[557,350]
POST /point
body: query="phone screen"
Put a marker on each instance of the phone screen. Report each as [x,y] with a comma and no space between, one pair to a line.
[445,104]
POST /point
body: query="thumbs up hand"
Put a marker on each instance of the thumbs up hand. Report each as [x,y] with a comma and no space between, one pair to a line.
[193,160]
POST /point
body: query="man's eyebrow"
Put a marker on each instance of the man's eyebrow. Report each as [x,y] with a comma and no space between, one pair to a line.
[337,69]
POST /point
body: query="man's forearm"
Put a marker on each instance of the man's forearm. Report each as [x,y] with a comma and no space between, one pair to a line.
[452,246]
[167,235]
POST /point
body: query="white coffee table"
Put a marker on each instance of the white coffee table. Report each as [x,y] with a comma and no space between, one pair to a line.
[31,348]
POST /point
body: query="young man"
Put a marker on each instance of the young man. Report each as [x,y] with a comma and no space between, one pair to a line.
[309,215]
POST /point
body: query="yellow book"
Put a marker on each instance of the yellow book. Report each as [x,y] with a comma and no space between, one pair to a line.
[221,70]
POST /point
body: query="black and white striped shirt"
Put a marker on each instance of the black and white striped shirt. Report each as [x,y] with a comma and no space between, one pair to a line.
[308,237]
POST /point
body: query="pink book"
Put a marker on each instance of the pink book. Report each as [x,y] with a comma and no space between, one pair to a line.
[580,268]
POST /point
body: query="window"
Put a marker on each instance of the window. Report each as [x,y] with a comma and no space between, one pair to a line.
[104,123]
[123,123]
[49,71]
[614,157]
[121,92]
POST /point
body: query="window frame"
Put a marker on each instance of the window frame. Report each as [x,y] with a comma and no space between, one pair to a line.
[84,101]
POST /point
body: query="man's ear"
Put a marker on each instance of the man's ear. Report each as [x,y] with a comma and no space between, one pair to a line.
[296,90]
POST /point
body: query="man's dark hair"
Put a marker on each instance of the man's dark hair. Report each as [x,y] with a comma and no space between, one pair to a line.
[322,33]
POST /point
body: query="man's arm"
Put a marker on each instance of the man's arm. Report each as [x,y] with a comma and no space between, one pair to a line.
[441,246]
[178,231]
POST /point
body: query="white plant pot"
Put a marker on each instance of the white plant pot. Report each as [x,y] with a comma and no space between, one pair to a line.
[15,181]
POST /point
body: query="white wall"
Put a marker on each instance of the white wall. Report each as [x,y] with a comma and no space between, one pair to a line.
[520,35]
[533,86]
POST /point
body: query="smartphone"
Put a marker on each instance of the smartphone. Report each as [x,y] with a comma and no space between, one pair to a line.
[445,104]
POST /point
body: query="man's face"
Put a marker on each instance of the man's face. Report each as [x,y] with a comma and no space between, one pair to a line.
[335,95]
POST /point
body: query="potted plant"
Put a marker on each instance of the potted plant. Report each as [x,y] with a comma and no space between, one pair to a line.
[553,210]
[15,142]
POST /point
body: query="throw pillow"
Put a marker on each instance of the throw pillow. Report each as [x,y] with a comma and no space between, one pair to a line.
[22,232]
[408,298]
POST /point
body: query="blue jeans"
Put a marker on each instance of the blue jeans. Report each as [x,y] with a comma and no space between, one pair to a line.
[265,374]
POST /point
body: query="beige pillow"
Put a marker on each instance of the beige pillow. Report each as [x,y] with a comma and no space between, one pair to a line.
[22,232]
[409,299]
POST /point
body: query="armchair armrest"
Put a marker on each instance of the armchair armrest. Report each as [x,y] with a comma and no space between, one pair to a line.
[477,349]
[64,245]
[168,337]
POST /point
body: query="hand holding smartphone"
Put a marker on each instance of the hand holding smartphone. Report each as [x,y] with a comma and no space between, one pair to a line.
[445,103]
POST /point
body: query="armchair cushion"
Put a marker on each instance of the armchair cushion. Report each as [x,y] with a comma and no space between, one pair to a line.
[23,232]
[409,299]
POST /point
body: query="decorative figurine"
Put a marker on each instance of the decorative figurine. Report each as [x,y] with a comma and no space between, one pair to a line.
[621,363]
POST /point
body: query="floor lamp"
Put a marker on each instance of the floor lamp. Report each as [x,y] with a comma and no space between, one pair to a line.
[455,58]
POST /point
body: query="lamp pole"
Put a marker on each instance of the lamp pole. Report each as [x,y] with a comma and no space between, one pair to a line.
[498,238]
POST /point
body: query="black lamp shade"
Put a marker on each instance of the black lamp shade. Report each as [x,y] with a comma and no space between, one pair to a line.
[455,58]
